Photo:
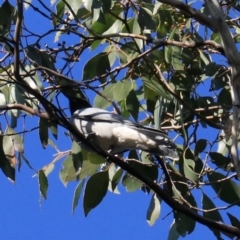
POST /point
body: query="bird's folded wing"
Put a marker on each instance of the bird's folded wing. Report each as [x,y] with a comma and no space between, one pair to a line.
[98,115]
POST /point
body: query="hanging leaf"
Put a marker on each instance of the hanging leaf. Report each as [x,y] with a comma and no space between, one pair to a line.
[101,102]
[227,190]
[121,90]
[188,167]
[43,183]
[95,158]
[156,87]
[116,178]
[95,191]
[96,66]
[77,157]
[132,104]
[173,233]
[207,204]
[67,173]
[184,224]
[234,221]
[130,183]
[145,19]
[200,146]
[154,209]
[53,128]
[221,161]
[88,168]
[43,131]
[77,194]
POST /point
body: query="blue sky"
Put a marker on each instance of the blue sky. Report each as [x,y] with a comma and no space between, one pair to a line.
[118,216]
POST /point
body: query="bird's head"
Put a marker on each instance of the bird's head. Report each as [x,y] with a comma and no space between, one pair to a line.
[77,99]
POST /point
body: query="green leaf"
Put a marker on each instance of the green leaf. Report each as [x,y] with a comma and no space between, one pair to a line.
[103,23]
[106,5]
[9,171]
[132,104]
[224,98]
[216,38]
[182,81]
[221,79]
[95,191]
[5,164]
[188,167]
[83,13]
[96,66]
[121,90]
[173,233]
[200,146]
[165,22]
[43,183]
[60,8]
[6,16]
[95,158]
[212,69]
[207,204]
[43,131]
[128,52]
[67,173]
[227,190]
[53,128]
[77,194]
[115,28]
[8,147]
[133,26]
[146,157]
[214,215]
[130,183]
[17,141]
[154,209]
[184,224]
[17,95]
[168,49]
[2,99]
[220,160]
[151,171]
[47,60]
[234,221]
[77,157]
[124,111]
[33,55]
[40,58]
[156,87]
[112,169]
[116,178]
[145,19]
[101,102]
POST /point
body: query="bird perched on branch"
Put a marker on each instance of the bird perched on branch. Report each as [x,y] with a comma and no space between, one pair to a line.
[114,133]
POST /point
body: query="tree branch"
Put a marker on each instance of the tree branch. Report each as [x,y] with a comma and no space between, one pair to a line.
[192,12]
[233,57]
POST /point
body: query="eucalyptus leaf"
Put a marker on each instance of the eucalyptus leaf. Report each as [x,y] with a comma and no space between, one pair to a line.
[77,194]
[228,190]
[43,183]
[154,209]
[95,191]
[43,131]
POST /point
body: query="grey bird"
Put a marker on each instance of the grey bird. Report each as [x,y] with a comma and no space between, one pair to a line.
[116,134]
